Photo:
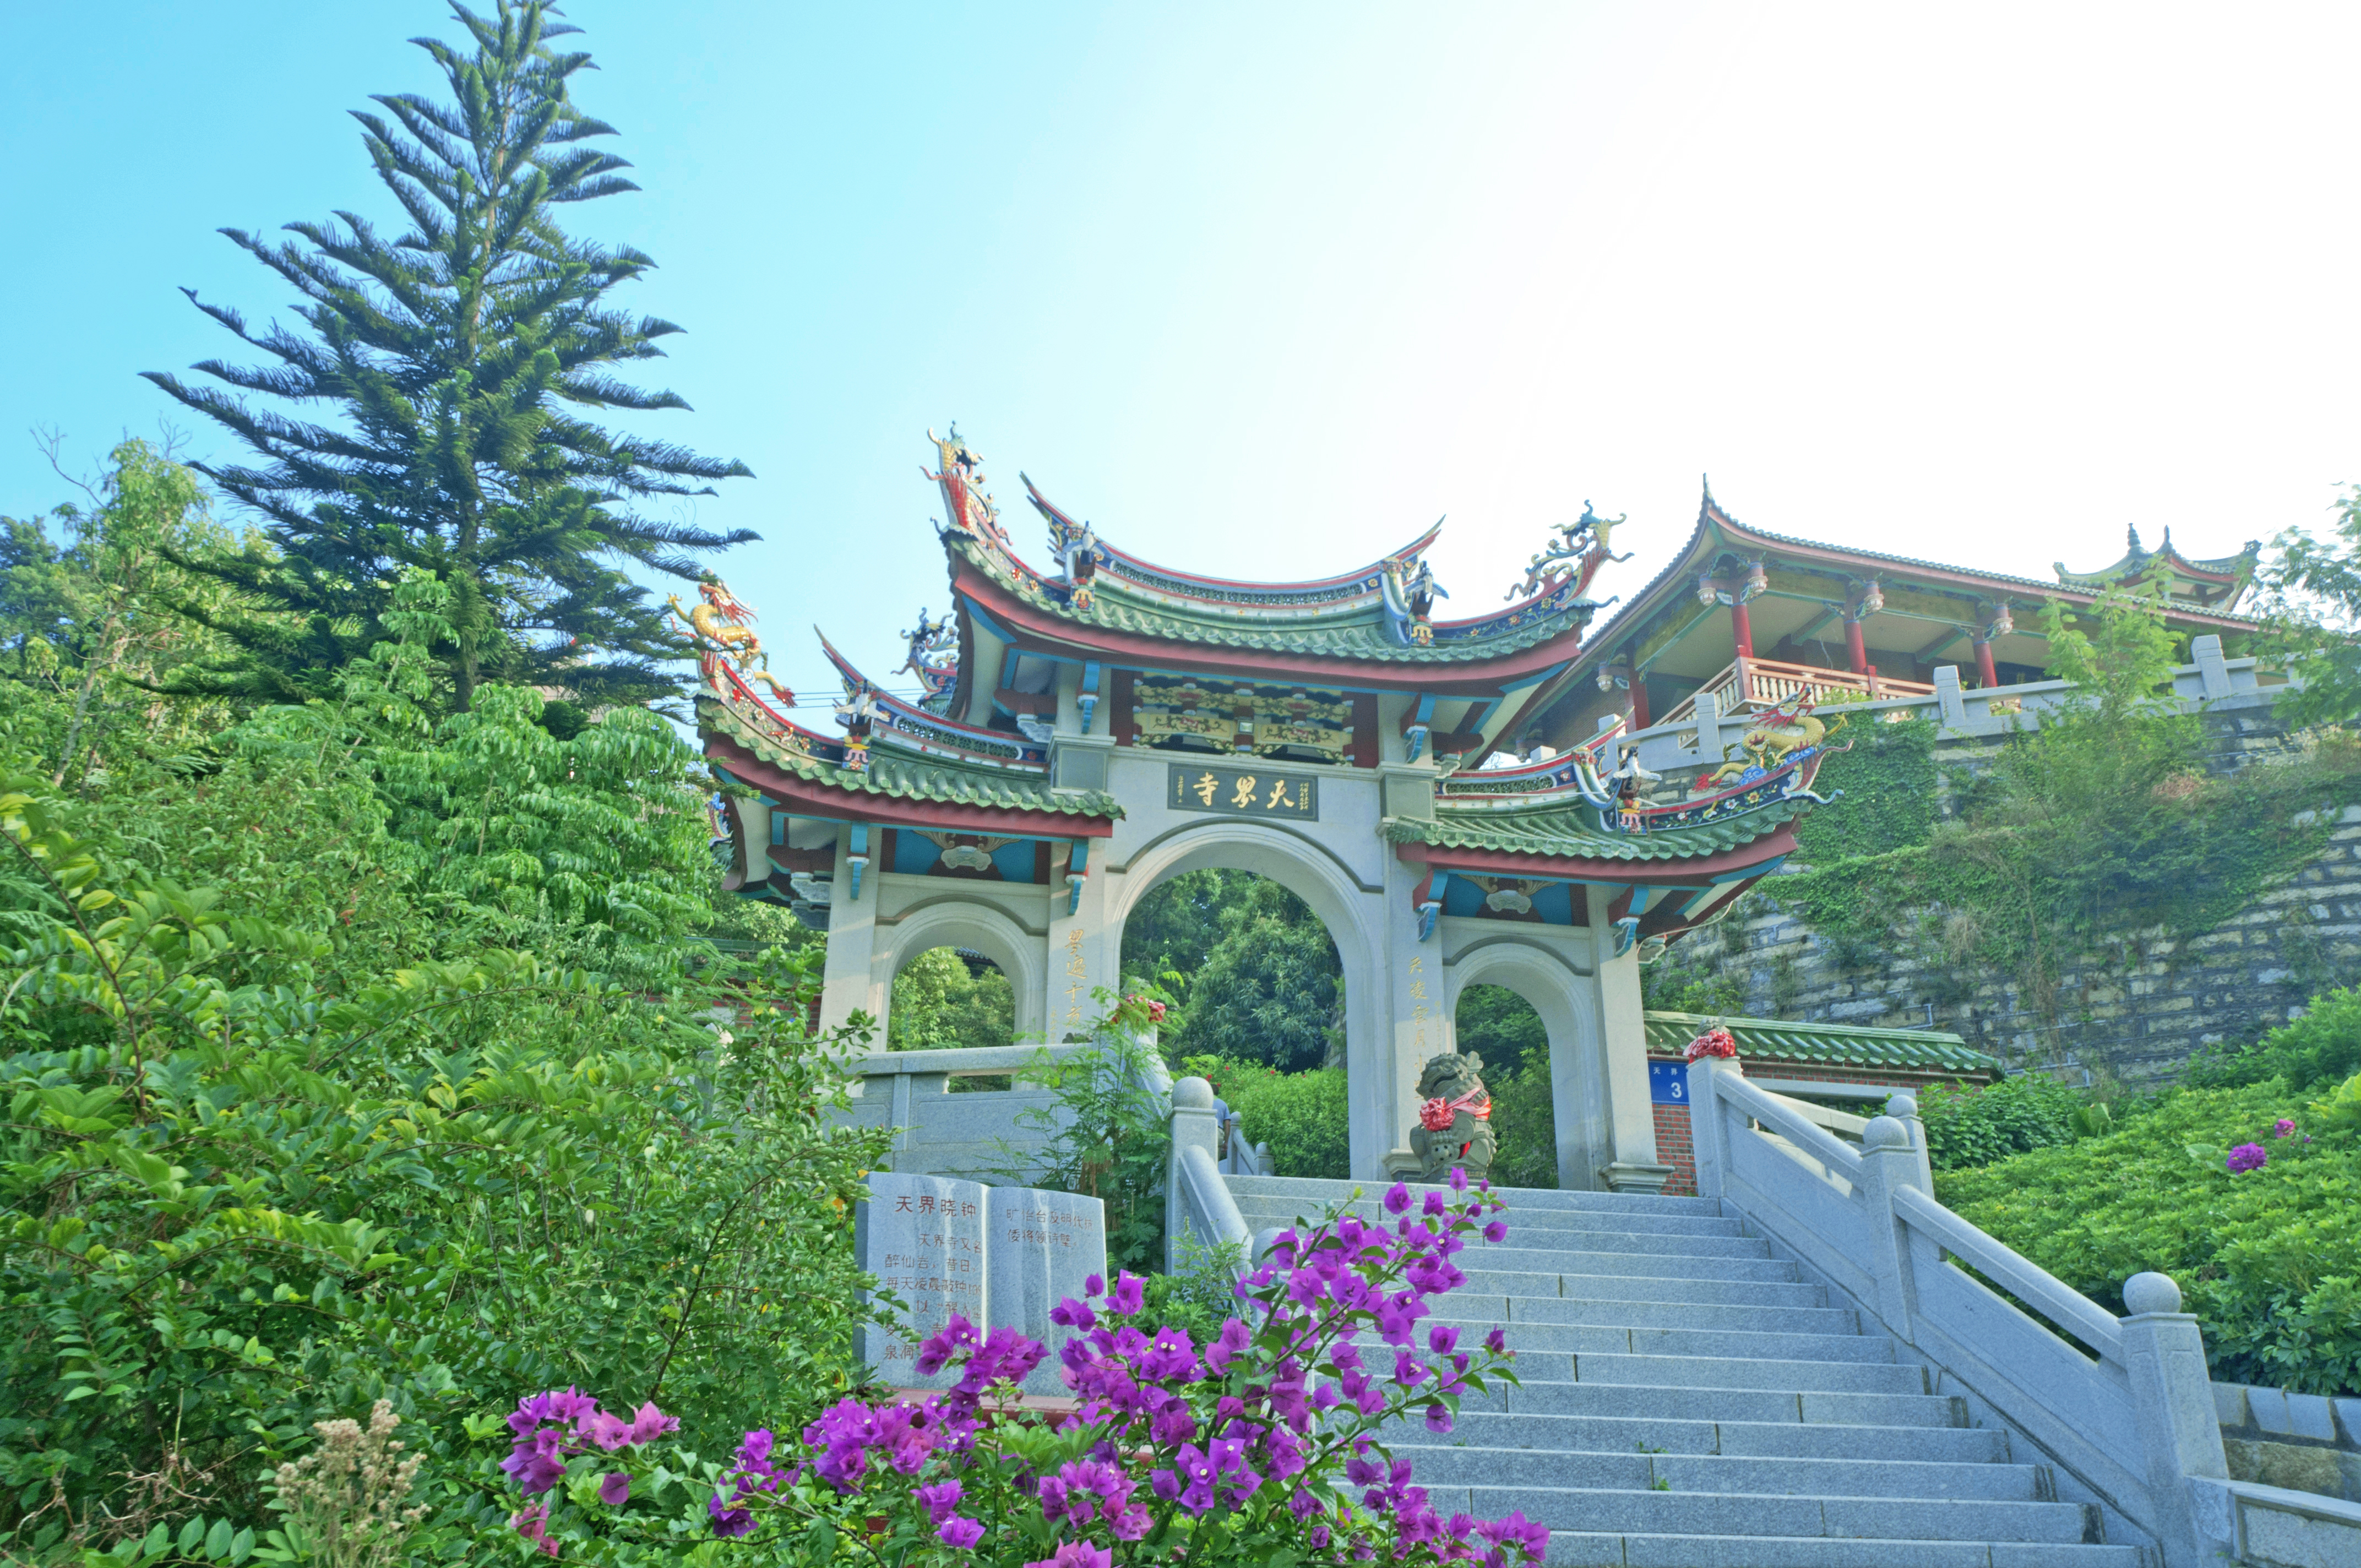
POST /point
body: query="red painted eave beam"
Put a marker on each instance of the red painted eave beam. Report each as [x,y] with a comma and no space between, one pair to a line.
[892,811]
[1638,873]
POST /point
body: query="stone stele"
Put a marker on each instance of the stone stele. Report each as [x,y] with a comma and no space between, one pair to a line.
[996,1255]
[1039,1248]
[922,1236]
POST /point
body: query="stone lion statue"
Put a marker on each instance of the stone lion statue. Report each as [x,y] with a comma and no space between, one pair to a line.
[1454,1130]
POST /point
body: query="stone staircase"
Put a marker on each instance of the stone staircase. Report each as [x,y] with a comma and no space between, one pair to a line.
[1687,1401]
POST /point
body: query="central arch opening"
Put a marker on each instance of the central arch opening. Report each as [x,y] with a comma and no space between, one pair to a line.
[1497,1025]
[1257,1002]
[952,998]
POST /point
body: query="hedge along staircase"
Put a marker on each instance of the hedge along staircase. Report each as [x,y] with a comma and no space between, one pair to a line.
[1687,1400]
[1795,1370]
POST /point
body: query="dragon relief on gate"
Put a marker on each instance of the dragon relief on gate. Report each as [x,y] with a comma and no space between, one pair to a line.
[1778,735]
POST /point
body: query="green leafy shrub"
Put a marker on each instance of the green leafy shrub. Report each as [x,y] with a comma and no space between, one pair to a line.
[1108,1133]
[2269,1259]
[943,1001]
[1967,1127]
[2322,1046]
[1302,1116]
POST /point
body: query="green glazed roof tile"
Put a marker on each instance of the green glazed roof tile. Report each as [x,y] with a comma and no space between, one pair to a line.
[1834,1044]
[1575,830]
[904,777]
[1354,632]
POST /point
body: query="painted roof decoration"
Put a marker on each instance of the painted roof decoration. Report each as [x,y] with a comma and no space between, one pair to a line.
[887,773]
[1826,1044]
[2217,584]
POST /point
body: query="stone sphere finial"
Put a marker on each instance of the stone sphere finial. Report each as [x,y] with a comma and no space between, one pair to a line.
[1902,1105]
[1885,1133]
[2151,1292]
[1193,1094]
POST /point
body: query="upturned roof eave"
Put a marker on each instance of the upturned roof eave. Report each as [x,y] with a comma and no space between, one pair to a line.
[850,802]
[1715,530]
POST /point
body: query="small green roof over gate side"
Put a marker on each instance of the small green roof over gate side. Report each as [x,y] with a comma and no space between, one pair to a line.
[1828,1045]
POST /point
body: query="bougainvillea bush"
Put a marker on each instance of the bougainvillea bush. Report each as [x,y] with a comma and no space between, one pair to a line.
[1263,1445]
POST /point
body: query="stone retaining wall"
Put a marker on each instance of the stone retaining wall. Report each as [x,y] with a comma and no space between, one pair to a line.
[2232,984]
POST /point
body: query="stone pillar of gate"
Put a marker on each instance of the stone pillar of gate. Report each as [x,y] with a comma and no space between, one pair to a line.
[1623,1035]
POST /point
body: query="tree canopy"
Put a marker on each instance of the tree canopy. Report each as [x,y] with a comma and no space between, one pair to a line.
[431,408]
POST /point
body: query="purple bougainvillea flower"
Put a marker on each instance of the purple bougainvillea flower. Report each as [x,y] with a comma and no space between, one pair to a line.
[537,1460]
[1497,1341]
[1131,1523]
[1496,1232]
[1077,1554]
[2247,1156]
[1127,1295]
[616,1489]
[1442,1338]
[1438,1418]
[1397,1198]
[938,1500]
[1072,1314]
[1458,1179]
[2283,1127]
[1093,1286]
[958,1534]
[729,1520]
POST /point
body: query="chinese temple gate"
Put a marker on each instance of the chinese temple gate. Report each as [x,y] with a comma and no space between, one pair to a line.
[1086,734]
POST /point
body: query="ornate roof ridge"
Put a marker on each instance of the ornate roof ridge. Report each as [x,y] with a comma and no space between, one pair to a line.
[2225,570]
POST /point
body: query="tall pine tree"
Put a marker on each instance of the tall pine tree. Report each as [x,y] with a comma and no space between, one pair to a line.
[452,369]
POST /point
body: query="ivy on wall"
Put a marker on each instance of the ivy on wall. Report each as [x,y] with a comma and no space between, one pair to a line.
[1890,787]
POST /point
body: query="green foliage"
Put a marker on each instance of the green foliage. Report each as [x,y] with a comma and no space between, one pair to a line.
[1501,1027]
[2319,1048]
[2092,833]
[90,621]
[1669,987]
[943,1001]
[1196,1297]
[1303,1116]
[2313,607]
[2269,1260]
[1890,794]
[438,383]
[1258,973]
[1968,1127]
[365,1060]
[1108,1136]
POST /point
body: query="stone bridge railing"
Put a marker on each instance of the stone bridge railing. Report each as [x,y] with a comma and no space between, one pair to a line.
[2122,1407]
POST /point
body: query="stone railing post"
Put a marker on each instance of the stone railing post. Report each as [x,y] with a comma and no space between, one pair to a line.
[1707,1146]
[2172,1404]
[1195,1124]
[2212,670]
[1903,1108]
[1707,708]
[1889,1161]
[1948,699]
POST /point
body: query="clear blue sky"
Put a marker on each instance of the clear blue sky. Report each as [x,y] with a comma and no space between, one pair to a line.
[1265,290]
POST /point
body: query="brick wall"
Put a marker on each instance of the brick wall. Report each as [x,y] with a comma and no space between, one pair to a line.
[1674,1148]
[2231,984]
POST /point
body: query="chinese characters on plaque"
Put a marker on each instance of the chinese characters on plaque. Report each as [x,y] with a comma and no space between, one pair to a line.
[996,1255]
[1263,792]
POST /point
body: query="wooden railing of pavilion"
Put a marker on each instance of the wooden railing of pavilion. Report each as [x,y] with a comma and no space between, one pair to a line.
[1759,683]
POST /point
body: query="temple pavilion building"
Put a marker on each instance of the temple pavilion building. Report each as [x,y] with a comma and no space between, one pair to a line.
[1448,795]
[1754,618]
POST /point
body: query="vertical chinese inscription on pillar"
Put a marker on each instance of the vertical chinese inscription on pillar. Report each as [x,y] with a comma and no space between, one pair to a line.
[1418,1009]
[923,1237]
[1077,975]
[1040,1247]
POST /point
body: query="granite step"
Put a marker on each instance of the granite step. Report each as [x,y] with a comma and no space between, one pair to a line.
[1727,1372]
[1463,1305]
[1610,1263]
[1441,1461]
[1603,1339]
[1569,1549]
[1927,1439]
[1539,1394]
[1641,1511]
[1519,1199]
[1261,1213]
[1643,1286]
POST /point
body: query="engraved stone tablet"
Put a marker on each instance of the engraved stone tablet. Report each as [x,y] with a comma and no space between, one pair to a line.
[923,1237]
[1039,1248]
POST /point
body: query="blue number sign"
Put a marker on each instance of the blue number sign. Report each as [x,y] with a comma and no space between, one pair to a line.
[1668,1082]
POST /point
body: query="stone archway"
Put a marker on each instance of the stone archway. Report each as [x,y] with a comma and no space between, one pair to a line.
[1355,919]
[1561,991]
[977,926]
